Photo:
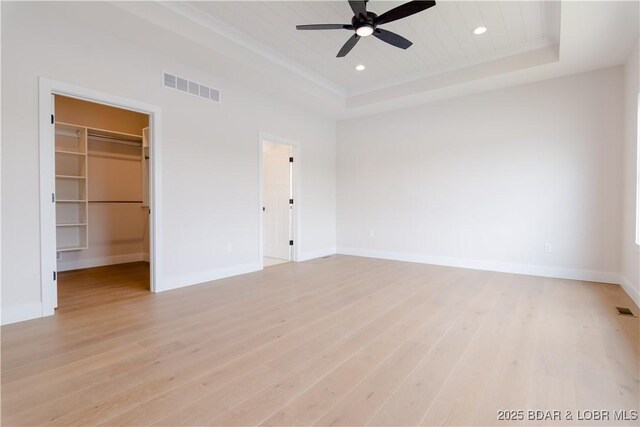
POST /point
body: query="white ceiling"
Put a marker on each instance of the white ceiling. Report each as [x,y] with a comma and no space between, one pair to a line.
[540,41]
[442,36]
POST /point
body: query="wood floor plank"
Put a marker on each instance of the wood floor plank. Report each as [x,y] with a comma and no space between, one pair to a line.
[336,341]
[122,401]
[319,398]
[200,412]
[357,406]
[408,403]
[220,316]
[258,407]
[228,344]
[456,401]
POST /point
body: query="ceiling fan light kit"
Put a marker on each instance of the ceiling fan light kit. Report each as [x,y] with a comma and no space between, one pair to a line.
[364,31]
[366,23]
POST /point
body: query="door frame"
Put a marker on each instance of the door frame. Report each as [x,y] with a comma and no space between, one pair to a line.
[47,88]
[295,149]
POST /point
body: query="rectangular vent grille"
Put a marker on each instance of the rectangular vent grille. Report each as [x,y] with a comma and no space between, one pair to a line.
[190,87]
[624,311]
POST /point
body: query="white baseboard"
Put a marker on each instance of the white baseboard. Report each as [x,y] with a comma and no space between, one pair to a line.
[19,313]
[34,310]
[222,273]
[207,276]
[317,254]
[504,267]
[98,262]
[630,289]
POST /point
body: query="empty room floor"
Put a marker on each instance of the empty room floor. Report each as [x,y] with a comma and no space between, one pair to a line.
[337,341]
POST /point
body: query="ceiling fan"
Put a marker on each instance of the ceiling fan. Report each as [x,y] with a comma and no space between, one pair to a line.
[366,23]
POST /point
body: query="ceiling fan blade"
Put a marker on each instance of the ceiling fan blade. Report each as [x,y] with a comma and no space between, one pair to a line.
[325,27]
[404,10]
[392,38]
[359,7]
[348,46]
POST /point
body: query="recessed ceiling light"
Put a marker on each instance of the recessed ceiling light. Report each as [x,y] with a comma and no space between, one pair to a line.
[364,31]
[480,30]
[360,67]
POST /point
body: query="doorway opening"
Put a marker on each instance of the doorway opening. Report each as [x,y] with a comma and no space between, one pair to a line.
[102,205]
[100,157]
[278,201]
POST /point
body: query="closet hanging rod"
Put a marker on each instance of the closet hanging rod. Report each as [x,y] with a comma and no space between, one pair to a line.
[115,201]
[114,140]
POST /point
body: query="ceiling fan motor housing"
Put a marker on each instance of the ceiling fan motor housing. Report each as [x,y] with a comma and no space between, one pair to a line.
[362,21]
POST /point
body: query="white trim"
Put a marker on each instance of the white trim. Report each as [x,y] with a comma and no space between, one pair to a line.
[504,267]
[19,313]
[297,191]
[466,66]
[630,289]
[47,208]
[48,87]
[208,276]
[1,175]
[100,261]
[637,218]
[317,254]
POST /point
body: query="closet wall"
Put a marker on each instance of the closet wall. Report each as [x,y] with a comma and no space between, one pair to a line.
[118,232]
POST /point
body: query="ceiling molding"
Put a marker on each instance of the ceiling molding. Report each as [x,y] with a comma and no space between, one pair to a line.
[196,15]
[419,76]
[507,64]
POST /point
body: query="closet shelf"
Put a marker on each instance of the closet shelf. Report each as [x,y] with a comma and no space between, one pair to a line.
[111,134]
[66,132]
[79,224]
[70,248]
[70,177]
[73,153]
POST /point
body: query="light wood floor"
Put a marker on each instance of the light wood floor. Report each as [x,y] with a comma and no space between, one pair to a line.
[268,262]
[336,341]
[94,287]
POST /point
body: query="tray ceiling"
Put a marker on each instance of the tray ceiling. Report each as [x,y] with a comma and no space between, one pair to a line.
[442,36]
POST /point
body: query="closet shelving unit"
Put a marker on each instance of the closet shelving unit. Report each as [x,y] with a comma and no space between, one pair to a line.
[72,204]
[71,187]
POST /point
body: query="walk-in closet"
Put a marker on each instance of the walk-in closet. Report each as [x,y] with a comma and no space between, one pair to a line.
[102,202]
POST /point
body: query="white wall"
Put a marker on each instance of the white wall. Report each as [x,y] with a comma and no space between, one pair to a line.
[210,151]
[487,180]
[630,260]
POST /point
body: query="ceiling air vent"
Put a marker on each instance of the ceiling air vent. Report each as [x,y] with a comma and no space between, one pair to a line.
[190,87]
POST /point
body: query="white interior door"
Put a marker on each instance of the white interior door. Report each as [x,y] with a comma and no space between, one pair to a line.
[276,194]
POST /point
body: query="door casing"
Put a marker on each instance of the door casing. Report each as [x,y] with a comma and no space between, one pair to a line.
[297,191]
[47,88]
